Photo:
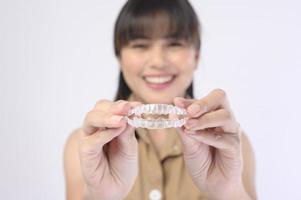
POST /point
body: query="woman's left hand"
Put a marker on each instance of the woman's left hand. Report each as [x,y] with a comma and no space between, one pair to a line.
[212,146]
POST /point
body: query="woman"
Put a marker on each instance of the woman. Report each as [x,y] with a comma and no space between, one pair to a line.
[157,43]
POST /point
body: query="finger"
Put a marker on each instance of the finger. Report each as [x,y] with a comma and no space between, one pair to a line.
[123,154]
[134,104]
[93,143]
[94,119]
[127,143]
[122,107]
[219,118]
[103,104]
[127,136]
[182,102]
[117,107]
[216,139]
[99,120]
[214,100]
[186,140]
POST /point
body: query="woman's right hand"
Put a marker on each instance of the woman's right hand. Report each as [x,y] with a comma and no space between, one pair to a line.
[108,151]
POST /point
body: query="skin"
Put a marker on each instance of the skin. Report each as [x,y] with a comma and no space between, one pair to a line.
[100,158]
[158,56]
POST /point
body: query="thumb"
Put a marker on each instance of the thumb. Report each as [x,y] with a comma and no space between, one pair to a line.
[187,141]
[190,143]
[127,138]
[182,102]
[94,143]
[185,138]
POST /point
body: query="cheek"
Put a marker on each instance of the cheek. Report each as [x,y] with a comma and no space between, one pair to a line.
[130,63]
[185,61]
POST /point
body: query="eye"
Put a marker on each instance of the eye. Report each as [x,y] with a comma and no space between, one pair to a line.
[139,46]
[176,44]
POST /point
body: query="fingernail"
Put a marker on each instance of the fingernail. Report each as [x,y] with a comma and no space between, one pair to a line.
[191,123]
[116,118]
[195,109]
[180,101]
[190,132]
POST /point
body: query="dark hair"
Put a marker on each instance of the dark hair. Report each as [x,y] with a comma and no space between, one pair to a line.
[138,19]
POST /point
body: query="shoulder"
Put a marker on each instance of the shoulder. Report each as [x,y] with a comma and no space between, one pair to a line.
[249,165]
[71,147]
[247,148]
[72,169]
[74,135]
[72,140]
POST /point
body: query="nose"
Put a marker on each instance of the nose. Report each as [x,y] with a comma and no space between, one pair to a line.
[157,57]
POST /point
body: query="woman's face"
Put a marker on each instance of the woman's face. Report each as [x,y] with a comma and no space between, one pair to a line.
[157,70]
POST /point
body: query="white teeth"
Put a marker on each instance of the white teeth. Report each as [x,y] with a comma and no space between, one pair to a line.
[158,80]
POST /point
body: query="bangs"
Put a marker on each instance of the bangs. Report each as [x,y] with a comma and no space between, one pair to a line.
[156,19]
[159,24]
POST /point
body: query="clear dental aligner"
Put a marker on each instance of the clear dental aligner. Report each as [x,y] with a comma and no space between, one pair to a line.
[151,116]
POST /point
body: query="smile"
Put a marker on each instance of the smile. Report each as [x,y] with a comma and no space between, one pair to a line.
[159,82]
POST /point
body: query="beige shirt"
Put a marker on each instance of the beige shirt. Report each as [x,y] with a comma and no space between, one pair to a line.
[162,174]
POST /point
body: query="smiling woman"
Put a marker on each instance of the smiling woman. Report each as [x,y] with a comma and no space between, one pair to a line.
[202,156]
[167,31]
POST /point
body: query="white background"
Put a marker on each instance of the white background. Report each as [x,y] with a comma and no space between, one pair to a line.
[56,61]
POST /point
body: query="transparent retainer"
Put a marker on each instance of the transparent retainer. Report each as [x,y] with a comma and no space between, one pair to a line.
[157,116]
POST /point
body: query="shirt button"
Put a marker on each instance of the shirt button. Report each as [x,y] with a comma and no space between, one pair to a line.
[155,194]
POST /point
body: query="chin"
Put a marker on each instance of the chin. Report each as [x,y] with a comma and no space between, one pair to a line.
[159,100]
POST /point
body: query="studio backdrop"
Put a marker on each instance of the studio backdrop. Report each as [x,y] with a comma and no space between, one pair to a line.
[57,60]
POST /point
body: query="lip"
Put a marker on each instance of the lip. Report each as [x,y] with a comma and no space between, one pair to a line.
[159,86]
[158,75]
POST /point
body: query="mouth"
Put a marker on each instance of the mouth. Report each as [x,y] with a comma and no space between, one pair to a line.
[159,82]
